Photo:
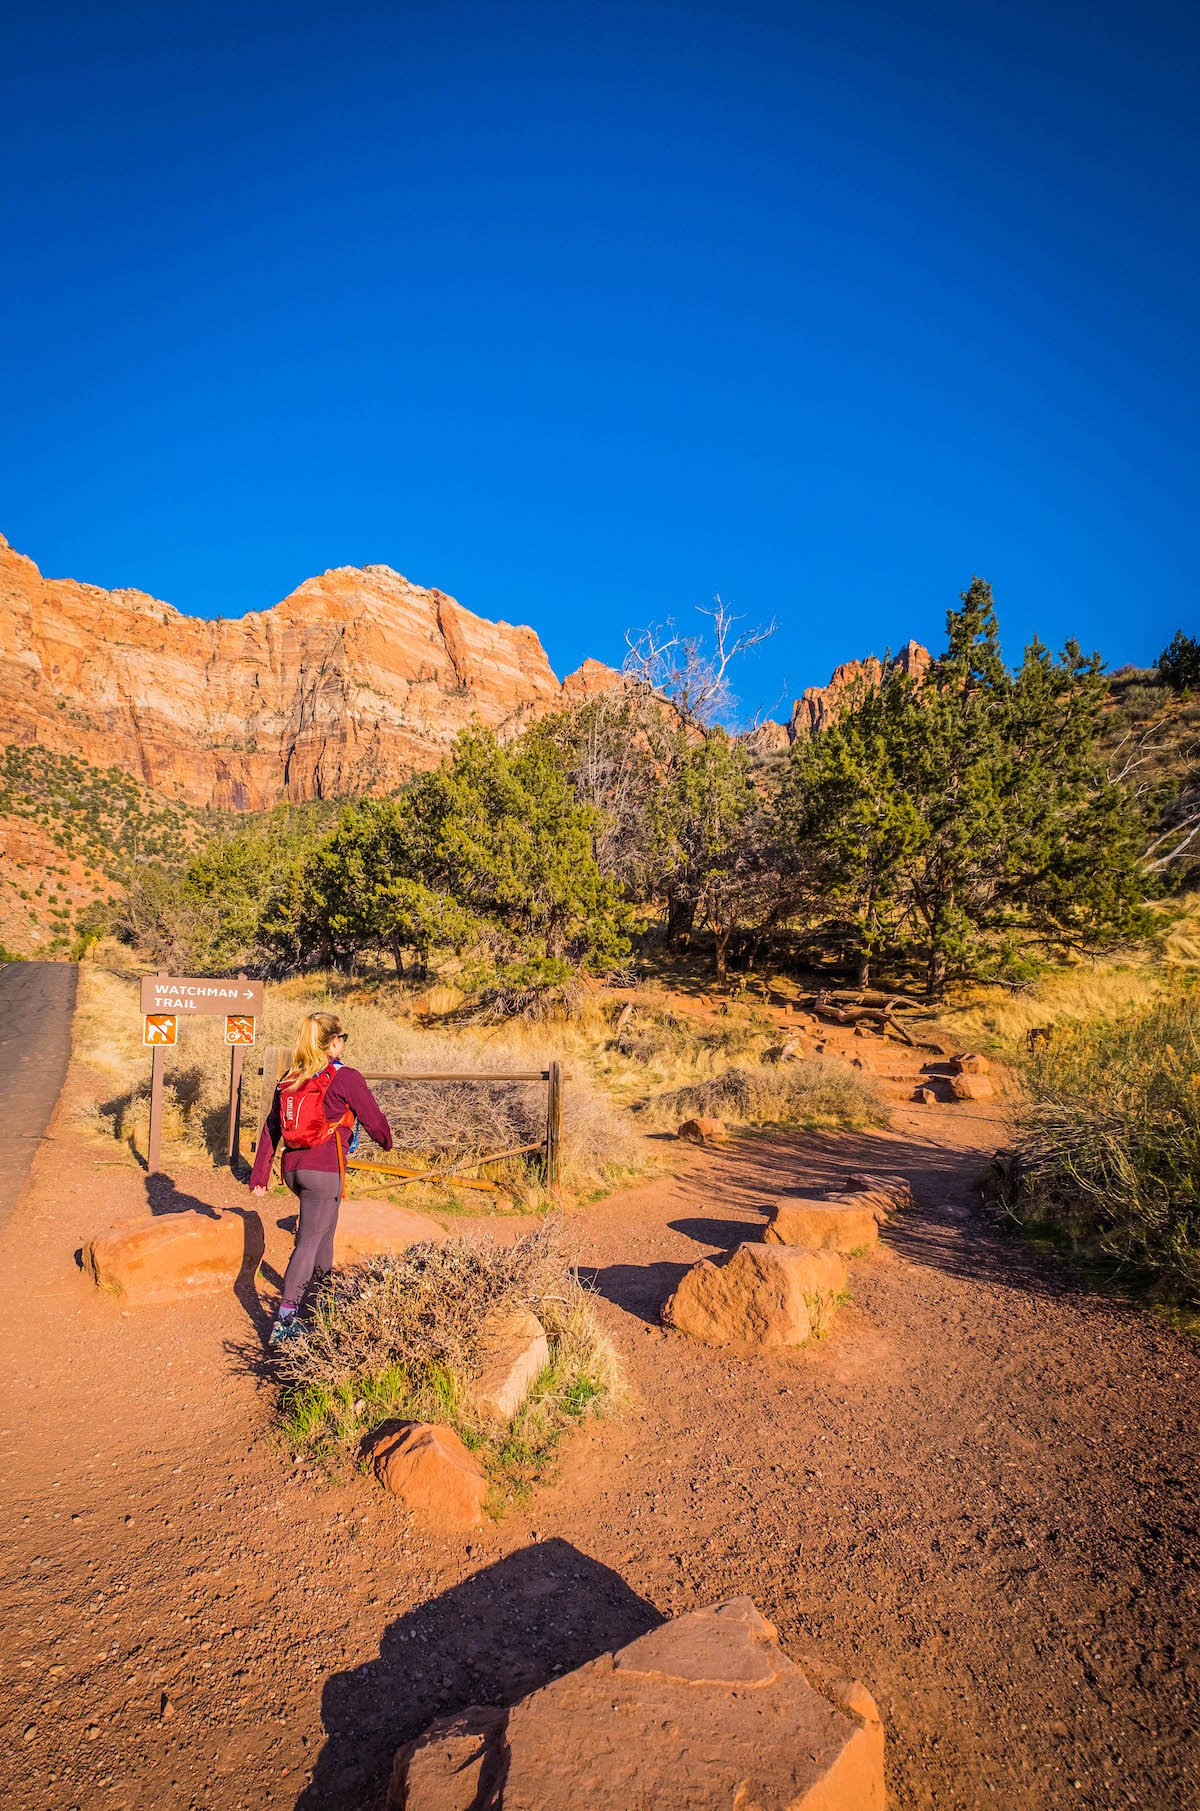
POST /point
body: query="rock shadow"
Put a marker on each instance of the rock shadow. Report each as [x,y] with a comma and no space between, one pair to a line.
[165,1198]
[640,1289]
[499,1635]
[724,1235]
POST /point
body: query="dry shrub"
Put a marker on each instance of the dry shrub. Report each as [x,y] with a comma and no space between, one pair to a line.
[1107,1147]
[400,1338]
[810,1094]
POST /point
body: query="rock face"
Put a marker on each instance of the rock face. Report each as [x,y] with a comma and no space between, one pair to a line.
[171,1257]
[430,1470]
[703,1131]
[821,705]
[514,1351]
[762,1295]
[375,1229]
[823,1224]
[705,1712]
[352,683]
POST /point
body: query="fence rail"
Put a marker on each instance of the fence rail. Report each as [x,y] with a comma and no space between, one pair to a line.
[275,1065]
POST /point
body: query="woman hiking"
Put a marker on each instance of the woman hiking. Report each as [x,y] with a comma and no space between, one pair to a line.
[314,1115]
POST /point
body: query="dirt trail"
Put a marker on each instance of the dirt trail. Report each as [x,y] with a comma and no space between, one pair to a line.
[981,1490]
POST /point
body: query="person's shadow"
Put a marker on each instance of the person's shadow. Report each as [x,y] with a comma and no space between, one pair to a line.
[498,1636]
[165,1198]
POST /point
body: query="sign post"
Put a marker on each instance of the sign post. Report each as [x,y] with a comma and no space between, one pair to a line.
[166,999]
[239,1033]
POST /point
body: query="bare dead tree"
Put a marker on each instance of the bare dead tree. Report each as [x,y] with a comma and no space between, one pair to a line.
[691,670]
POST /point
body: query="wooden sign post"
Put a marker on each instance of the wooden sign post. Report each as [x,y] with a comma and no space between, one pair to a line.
[166,999]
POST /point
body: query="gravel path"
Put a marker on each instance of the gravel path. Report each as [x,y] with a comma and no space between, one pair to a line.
[980,1490]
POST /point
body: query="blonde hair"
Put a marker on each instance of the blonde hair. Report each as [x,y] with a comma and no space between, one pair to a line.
[311,1054]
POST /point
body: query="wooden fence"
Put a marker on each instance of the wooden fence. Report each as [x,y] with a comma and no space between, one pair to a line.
[275,1063]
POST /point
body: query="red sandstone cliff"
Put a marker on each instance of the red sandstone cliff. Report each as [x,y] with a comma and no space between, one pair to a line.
[820,705]
[349,685]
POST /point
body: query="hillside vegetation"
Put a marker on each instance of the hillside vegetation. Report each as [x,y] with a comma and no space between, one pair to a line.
[977,822]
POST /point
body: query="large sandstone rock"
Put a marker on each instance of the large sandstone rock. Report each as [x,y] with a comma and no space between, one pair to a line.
[764,1295]
[971,1087]
[823,1223]
[706,1713]
[970,1063]
[377,1229]
[351,684]
[514,1351]
[170,1257]
[703,1131]
[430,1470]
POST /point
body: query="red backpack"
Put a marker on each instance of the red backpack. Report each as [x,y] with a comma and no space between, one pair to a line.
[302,1115]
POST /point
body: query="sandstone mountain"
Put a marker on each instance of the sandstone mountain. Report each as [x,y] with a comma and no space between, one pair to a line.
[347,686]
[820,705]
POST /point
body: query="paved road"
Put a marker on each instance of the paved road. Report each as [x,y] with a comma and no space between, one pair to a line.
[37,1001]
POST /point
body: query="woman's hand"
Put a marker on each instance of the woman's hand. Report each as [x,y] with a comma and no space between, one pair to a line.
[258,1191]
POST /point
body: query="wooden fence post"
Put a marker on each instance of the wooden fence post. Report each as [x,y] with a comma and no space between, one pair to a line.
[274,1064]
[553,1124]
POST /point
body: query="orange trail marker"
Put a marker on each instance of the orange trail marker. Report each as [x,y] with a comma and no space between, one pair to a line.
[160,1028]
[238,1029]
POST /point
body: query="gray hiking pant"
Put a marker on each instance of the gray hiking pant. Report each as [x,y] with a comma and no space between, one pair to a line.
[320,1195]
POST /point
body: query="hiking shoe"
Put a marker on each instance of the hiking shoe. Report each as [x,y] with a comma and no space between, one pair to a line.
[284,1333]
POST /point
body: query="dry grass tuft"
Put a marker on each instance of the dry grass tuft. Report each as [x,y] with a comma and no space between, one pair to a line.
[399,1339]
[1107,1147]
[810,1094]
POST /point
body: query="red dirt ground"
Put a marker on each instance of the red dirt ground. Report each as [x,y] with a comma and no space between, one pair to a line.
[980,1490]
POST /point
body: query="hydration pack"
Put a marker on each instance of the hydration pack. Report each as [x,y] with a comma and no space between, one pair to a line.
[302,1118]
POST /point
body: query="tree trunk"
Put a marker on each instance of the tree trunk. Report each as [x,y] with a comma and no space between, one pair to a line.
[935,986]
[681,916]
[864,966]
[721,945]
[398,955]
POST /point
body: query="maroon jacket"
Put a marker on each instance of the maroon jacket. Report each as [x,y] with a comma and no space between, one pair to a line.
[347,1089]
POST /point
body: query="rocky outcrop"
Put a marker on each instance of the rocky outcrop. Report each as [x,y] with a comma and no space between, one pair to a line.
[820,705]
[706,1712]
[351,684]
[171,1257]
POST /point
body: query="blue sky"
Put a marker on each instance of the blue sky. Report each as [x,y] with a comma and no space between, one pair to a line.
[585,313]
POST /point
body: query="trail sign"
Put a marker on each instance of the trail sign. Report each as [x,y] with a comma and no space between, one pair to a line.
[215,996]
[168,998]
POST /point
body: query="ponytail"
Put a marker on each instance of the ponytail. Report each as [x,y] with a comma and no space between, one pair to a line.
[311,1054]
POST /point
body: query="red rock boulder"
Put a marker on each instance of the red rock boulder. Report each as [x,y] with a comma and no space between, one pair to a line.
[971,1087]
[430,1470]
[823,1223]
[706,1712]
[763,1295]
[171,1257]
[703,1131]
[378,1229]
